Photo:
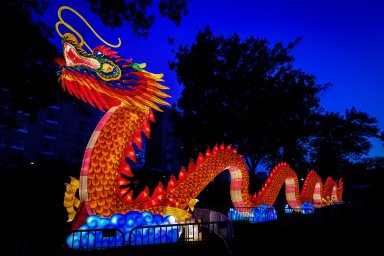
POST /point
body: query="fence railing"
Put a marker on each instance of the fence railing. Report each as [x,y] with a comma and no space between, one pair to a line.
[211,228]
[192,233]
[193,230]
[91,239]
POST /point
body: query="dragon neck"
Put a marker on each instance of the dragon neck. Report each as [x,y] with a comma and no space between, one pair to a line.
[102,184]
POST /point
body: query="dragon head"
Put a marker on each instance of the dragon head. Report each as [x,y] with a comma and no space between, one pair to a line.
[104,79]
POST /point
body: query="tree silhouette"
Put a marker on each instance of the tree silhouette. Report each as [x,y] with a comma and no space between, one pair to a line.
[114,13]
[341,140]
[246,94]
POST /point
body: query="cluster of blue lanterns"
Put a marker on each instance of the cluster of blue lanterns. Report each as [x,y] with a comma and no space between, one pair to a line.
[95,229]
[261,213]
[306,208]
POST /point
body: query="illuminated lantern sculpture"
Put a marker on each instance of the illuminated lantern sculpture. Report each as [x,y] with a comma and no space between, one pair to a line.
[127,93]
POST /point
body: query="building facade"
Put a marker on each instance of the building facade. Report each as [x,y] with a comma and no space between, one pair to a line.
[61,132]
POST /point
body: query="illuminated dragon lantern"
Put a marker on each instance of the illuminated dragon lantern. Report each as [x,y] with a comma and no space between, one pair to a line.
[127,94]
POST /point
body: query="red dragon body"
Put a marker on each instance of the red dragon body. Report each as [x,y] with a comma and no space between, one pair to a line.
[127,93]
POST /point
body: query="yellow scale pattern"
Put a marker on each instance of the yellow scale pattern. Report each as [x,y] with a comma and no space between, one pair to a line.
[107,154]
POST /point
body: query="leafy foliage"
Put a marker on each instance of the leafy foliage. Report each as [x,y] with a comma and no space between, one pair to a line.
[174,9]
[340,140]
[114,13]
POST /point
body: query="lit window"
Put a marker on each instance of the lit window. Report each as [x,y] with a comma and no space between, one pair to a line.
[18,144]
[48,149]
[23,126]
[52,118]
[3,141]
[50,133]
[55,107]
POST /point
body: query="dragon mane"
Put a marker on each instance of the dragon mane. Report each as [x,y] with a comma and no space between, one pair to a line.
[104,79]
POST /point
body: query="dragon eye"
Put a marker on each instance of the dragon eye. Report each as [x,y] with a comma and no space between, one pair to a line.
[98,53]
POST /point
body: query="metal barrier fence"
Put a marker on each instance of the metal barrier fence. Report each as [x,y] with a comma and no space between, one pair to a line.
[194,230]
[194,236]
[86,239]
[213,228]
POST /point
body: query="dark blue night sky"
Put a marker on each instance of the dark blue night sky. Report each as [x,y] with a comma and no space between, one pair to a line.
[342,42]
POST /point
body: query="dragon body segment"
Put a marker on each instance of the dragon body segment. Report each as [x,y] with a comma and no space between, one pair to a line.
[127,94]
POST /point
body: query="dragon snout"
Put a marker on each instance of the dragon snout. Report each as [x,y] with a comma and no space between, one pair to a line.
[73,58]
